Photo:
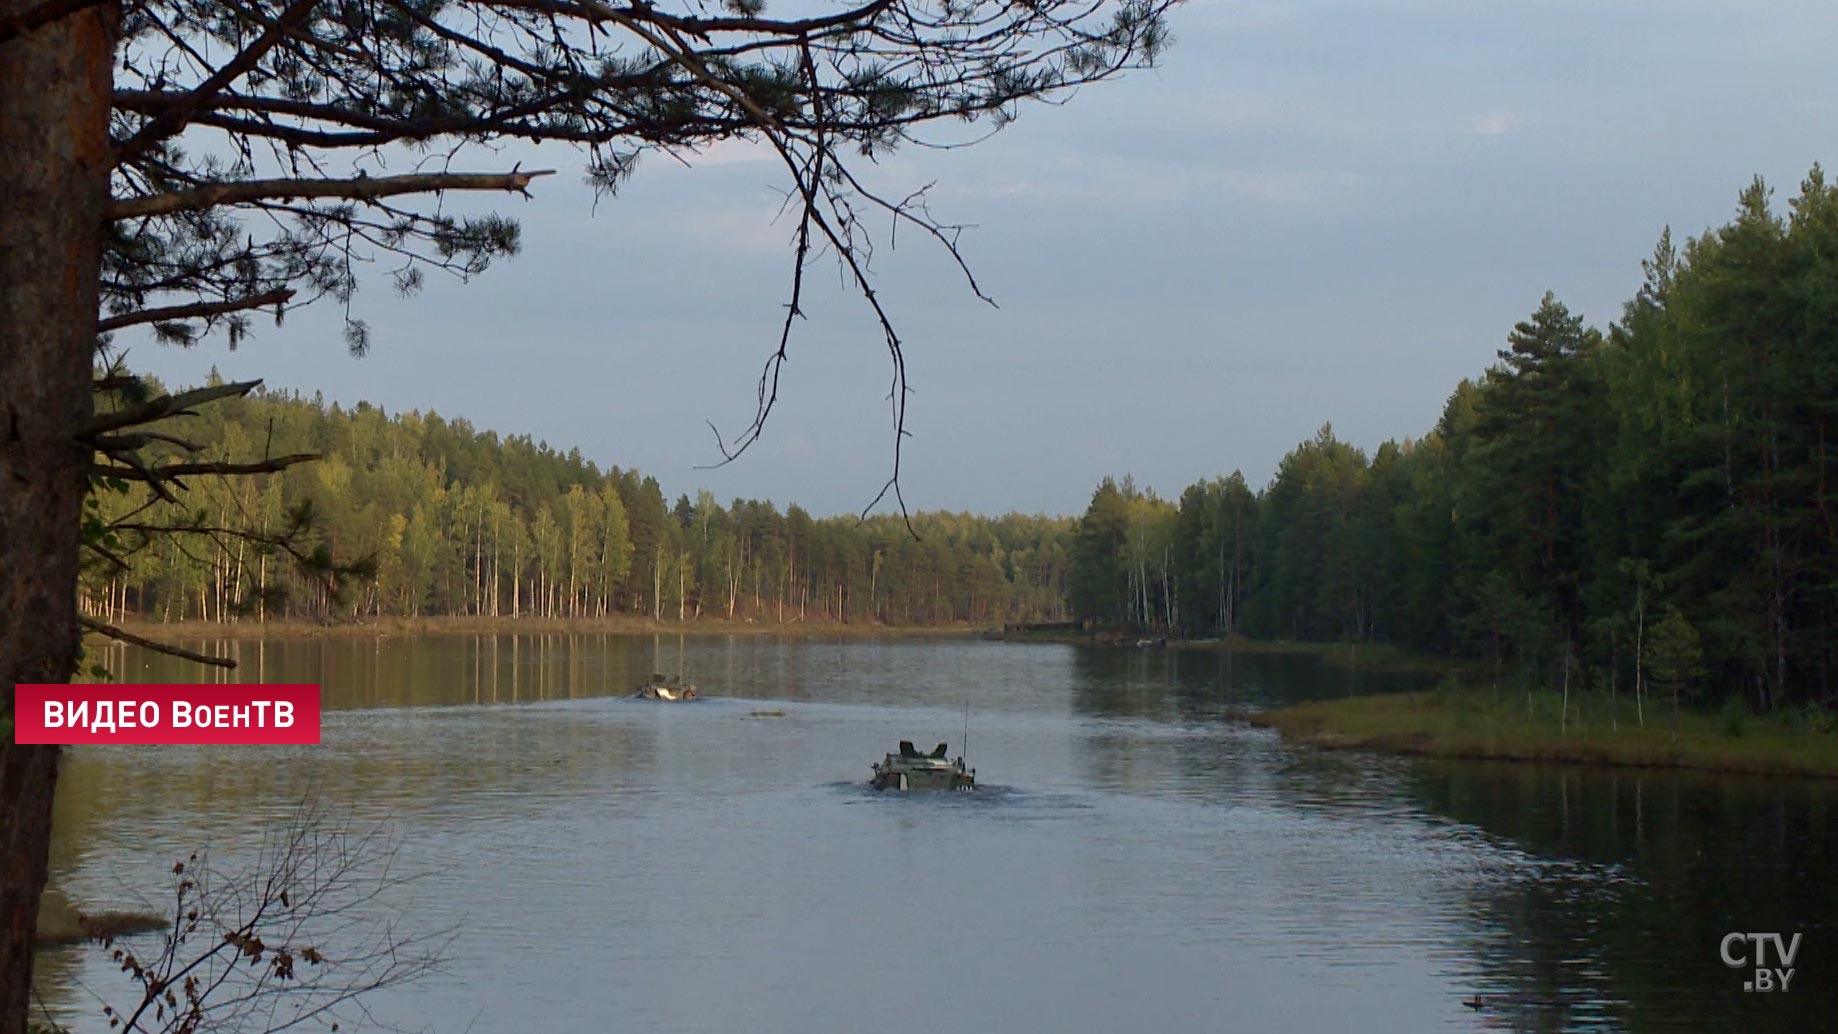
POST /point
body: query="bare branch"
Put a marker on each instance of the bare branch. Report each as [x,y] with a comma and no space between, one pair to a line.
[158,475]
[166,648]
[295,86]
[295,939]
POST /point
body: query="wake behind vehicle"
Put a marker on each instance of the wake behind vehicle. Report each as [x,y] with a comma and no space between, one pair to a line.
[911,770]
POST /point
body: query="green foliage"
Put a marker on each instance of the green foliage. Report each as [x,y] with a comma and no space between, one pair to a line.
[1734,717]
[1125,557]
[1674,653]
[1476,722]
[1655,503]
[445,519]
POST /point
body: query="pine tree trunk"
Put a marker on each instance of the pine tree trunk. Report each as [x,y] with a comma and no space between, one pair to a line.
[1640,628]
[54,169]
[1563,718]
[1225,620]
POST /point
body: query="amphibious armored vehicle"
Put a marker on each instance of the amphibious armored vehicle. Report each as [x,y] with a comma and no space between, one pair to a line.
[911,770]
[660,688]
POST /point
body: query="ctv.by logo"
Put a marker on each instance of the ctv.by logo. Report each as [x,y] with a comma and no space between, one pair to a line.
[1766,979]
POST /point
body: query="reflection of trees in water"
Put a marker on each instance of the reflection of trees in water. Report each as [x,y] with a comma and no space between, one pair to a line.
[1615,884]
[1163,720]
[125,814]
[1158,719]
[1632,881]
[1629,879]
[422,670]
[122,812]
[1202,684]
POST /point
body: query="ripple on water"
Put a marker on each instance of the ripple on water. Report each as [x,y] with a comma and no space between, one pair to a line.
[1129,860]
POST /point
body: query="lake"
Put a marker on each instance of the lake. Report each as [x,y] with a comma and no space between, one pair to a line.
[1131,859]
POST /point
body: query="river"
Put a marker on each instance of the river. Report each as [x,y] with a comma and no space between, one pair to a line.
[1131,861]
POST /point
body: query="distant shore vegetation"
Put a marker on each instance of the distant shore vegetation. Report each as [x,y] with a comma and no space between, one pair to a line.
[1483,723]
[1647,514]
[414,516]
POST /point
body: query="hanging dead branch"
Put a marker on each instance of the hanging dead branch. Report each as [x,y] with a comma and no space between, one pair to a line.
[265,151]
[289,107]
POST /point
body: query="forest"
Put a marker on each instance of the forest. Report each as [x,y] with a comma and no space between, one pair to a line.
[415,515]
[1649,507]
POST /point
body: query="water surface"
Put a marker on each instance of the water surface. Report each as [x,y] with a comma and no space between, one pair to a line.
[1132,860]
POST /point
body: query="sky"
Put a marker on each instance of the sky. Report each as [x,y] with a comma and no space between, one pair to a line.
[1311,211]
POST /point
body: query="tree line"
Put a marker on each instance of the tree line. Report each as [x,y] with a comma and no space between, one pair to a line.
[215,161]
[1651,507]
[422,515]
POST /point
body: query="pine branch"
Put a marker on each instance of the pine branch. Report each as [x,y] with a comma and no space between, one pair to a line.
[180,312]
[173,119]
[400,131]
[157,475]
[165,406]
[136,470]
[114,443]
[107,554]
[361,189]
[370,129]
[166,648]
[703,28]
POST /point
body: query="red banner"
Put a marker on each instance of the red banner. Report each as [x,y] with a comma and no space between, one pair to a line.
[155,713]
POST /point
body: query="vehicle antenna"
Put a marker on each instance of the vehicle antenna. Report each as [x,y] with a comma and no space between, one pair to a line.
[965,752]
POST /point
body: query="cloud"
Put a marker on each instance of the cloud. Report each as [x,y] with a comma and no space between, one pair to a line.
[1497,123]
[735,151]
[1127,182]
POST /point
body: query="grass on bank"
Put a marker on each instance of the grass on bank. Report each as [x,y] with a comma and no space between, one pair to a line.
[1467,722]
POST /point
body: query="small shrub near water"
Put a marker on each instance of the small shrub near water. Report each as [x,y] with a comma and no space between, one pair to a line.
[1734,717]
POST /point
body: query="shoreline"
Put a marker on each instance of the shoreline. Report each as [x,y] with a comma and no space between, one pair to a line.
[1362,656]
[623,625]
[1479,724]
[1377,657]
[1374,657]
[61,924]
